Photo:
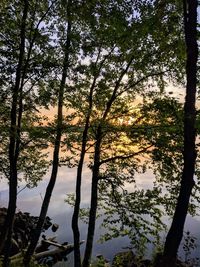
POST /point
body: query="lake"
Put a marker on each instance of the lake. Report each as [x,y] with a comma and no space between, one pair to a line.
[31,199]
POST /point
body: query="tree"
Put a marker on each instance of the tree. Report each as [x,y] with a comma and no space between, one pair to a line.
[118,50]
[129,210]
[175,233]
[14,143]
[77,258]
[23,63]
[111,85]
[59,129]
[134,65]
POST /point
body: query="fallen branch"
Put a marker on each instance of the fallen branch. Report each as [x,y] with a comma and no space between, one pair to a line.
[66,249]
[60,252]
[43,246]
[51,243]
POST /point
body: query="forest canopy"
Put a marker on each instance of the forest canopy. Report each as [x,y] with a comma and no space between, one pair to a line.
[110,86]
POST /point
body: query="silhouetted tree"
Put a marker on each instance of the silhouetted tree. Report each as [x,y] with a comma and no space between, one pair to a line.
[175,233]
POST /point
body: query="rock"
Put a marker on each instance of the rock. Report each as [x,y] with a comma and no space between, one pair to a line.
[24,225]
[54,227]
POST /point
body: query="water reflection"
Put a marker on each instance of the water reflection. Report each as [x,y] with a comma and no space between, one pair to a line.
[61,212]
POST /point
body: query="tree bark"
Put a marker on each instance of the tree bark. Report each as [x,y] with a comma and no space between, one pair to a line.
[6,231]
[75,228]
[175,233]
[55,163]
[94,201]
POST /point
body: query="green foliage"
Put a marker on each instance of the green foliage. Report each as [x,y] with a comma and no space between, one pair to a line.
[122,53]
[189,245]
[32,162]
[84,211]
[36,67]
[123,259]
[100,262]
[133,214]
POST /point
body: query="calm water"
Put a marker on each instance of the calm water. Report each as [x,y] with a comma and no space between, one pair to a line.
[61,212]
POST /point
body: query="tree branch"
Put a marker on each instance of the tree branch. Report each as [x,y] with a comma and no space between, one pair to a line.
[139,81]
[121,157]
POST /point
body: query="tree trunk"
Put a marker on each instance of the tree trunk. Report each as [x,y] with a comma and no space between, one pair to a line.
[95,171]
[75,228]
[175,233]
[94,201]
[55,163]
[6,231]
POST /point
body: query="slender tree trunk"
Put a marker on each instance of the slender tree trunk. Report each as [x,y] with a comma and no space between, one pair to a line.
[6,231]
[50,187]
[75,228]
[94,201]
[95,172]
[14,191]
[175,233]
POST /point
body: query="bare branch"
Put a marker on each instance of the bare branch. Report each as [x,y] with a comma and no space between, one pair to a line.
[21,189]
[117,85]
[129,86]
